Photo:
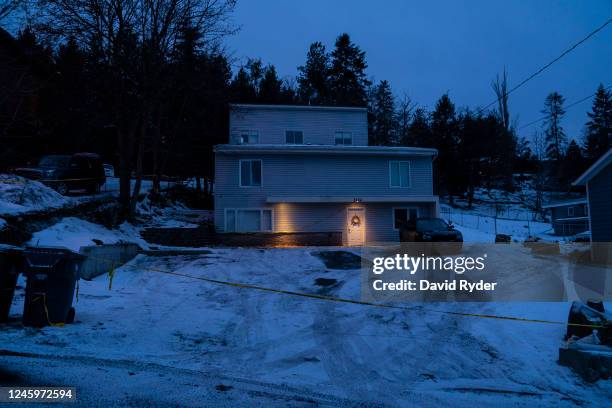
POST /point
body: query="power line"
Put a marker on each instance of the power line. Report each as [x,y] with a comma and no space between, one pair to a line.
[566,108]
[539,71]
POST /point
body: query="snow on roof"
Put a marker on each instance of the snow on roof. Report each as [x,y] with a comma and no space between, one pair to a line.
[566,203]
[325,149]
[592,171]
[297,107]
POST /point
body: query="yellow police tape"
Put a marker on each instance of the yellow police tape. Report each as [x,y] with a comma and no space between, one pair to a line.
[344,300]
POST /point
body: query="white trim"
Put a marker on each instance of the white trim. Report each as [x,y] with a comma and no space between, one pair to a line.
[401,208]
[356,200]
[399,152]
[260,209]
[566,203]
[400,173]
[240,173]
[571,219]
[364,224]
[296,107]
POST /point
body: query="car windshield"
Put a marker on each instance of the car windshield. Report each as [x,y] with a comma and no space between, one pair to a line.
[433,224]
[54,161]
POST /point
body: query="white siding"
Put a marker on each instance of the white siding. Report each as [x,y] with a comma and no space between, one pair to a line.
[317,124]
[315,175]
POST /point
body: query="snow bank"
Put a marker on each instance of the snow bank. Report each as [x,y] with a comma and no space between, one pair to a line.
[19,195]
[74,233]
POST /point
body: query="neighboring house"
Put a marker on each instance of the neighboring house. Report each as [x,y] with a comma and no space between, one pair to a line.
[598,182]
[309,169]
[569,217]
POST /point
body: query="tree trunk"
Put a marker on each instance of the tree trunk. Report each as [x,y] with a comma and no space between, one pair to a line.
[139,160]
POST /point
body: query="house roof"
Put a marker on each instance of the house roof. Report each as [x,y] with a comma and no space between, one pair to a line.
[297,107]
[594,170]
[326,149]
[566,203]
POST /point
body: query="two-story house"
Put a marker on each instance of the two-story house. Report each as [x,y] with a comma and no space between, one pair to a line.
[310,169]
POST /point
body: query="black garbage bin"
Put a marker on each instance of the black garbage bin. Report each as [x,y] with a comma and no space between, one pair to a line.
[11,262]
[51,274]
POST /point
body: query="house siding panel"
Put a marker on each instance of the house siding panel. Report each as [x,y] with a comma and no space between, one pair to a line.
[318,126]
[600,203]
[313,175]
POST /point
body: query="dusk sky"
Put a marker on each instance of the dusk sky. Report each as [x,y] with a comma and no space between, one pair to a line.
[427,48]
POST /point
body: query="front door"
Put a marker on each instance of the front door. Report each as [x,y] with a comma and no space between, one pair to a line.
[355,226]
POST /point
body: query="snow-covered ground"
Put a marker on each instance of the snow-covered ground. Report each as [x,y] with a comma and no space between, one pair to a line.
[19,195]
[519,229]
[74,233]
[206,343]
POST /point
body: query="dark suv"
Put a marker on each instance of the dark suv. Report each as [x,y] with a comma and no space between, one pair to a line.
[64,173]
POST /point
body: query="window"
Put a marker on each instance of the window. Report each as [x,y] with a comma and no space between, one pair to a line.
[344,138]
[586,210]
[248,137]
[250,173]
[399,174]
[294,137]
[570,211]
[248,220]
[402,216]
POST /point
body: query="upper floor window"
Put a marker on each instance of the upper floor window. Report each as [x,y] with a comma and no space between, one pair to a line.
[248,137]
[399,174]
[570,211]
[250,173]
[294,137]
[344,138]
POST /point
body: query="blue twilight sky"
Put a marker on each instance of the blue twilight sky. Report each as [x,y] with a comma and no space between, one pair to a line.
[426,48]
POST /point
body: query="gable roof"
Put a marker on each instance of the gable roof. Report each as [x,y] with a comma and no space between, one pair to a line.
[592,171]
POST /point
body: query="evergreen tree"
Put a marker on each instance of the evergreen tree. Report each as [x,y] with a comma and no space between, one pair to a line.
[382,110]
[270,87]
[242,88]
[554,133]
[348,82]
[419,131]
[599,127]
[573,164]
[313,77]
[445,137]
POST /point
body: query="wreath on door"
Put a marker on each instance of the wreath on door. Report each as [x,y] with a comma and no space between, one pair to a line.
[355,221]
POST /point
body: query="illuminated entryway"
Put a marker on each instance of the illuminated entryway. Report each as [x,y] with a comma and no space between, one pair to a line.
[355,226]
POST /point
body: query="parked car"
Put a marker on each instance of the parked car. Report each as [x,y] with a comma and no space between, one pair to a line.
[436,230]
[109,170]
[65,173]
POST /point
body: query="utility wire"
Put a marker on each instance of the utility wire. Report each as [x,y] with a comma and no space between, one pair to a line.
[566,108]
[539,71]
